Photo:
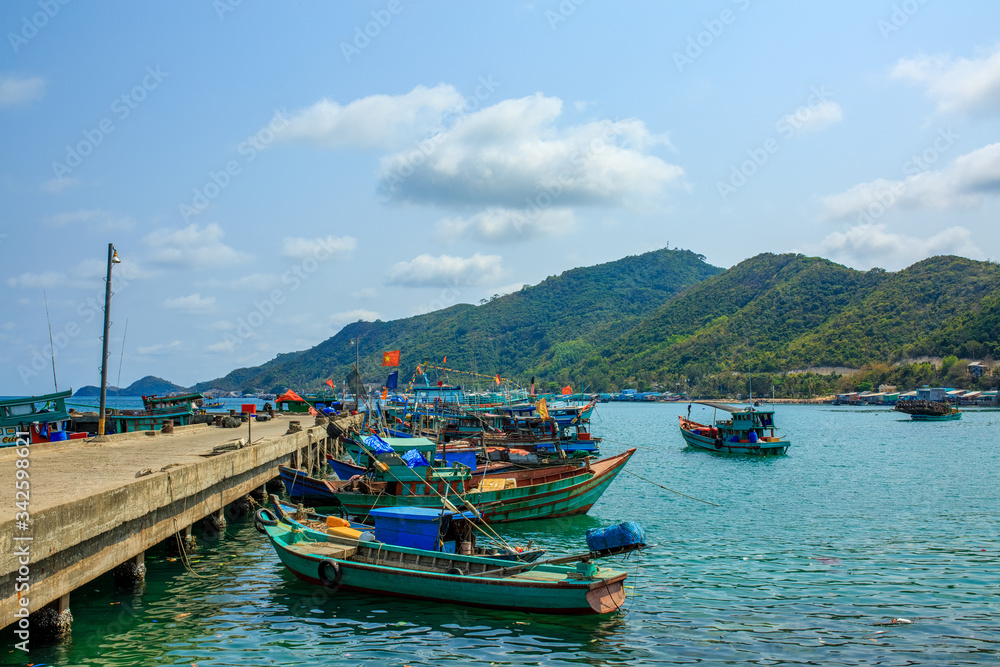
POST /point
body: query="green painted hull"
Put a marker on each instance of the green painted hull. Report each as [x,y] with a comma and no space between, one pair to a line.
[563,497]
[937,418]
[540,588]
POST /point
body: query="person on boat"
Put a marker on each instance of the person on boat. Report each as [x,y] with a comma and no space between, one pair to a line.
[689,411]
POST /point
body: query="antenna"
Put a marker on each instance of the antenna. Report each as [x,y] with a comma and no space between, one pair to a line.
[52,347]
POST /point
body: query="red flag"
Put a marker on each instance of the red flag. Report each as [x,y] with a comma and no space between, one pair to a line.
[390,358]
[445,360]
[440,383]
[385,393]
[567,390]
[497,379]
[330,382]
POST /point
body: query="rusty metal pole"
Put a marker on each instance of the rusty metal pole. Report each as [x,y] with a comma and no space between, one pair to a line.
[112,259]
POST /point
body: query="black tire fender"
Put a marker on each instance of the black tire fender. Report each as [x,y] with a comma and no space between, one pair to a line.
[327,568]
[262,518]
[456,571]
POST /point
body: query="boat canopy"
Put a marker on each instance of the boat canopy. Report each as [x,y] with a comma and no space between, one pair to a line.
[720,406]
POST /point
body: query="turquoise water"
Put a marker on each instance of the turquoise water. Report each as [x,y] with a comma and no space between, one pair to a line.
[869,517]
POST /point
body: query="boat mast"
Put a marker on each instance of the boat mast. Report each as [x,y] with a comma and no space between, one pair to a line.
[52,347]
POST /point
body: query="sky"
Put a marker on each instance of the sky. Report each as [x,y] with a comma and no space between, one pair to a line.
[271,171]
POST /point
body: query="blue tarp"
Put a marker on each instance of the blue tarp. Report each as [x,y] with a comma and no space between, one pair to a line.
[377,445]
[414,459]
[624,534]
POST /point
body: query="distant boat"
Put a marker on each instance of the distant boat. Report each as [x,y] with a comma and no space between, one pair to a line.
[748,431]
[929,411]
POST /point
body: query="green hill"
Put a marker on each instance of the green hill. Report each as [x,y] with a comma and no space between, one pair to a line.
[147,386]
[668,319]
[541,329]
[775,313]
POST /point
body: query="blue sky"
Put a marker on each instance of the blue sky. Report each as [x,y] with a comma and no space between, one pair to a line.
[272,171]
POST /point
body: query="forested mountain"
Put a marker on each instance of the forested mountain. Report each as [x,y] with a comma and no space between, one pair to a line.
[774,313]
[541,328]
[668,319]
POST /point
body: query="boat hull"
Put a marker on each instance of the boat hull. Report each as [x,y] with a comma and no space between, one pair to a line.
[937,418]
[560,494]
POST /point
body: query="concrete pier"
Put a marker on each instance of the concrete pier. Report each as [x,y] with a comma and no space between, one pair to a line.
[96,506]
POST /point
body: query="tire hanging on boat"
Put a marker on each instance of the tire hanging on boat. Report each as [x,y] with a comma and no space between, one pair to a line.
[261,519]
[324,577]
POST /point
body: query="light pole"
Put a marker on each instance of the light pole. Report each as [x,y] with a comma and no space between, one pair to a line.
[112,260]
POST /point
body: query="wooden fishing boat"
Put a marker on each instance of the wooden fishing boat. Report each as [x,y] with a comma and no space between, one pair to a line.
[448,532]
[747,431]
[343,561]
[929,411]
[511,496]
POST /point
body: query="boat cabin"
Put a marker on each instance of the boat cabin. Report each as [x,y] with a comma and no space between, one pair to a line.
[42,417]
[425,528]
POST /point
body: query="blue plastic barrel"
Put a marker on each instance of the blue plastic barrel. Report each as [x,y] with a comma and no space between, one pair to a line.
[56,436]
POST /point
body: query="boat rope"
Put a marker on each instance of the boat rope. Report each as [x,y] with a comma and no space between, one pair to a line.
[484,528]
[671,490]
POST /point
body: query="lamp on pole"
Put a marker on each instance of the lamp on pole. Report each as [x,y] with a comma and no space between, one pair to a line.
[112,260]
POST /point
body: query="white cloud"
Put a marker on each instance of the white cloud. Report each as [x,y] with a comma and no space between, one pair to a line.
[965,182]
[43,280]
[158,349]
[499,225]
[812,118]
[512,155]
[192,247]
[95,220]
[57,185]
[192,304]
[16,90]
[321,248]
[364,293]
[355,315]
[425,270]
[868,245]
[956,83]
[377,121]
[256,282]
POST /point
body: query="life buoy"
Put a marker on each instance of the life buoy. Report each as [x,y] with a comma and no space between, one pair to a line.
[326,566]
[262,519]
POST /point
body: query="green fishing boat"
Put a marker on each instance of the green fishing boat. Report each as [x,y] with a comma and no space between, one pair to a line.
[929,411]
[366,564]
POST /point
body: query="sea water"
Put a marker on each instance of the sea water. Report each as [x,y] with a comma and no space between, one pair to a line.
[800,559]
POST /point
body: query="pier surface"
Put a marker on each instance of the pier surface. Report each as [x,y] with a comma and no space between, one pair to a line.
[94,506]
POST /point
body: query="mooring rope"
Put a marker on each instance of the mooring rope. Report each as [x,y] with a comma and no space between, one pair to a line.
[671,490]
